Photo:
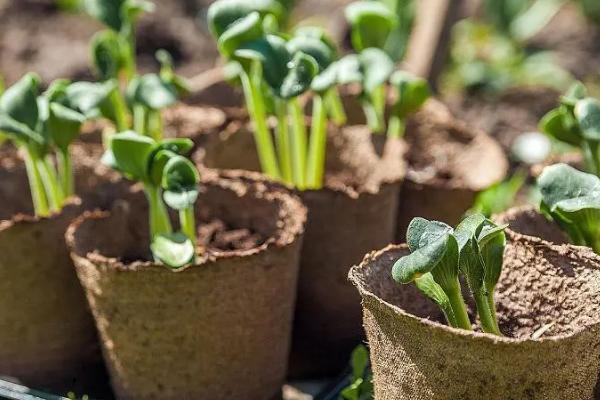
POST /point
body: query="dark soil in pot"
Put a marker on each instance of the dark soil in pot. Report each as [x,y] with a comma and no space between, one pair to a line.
[47,335]
[448,165]
[219,329]
[353,214]
[552,290]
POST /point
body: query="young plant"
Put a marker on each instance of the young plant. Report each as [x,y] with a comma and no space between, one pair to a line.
[576,121]
[361,380]
[572,199]
[439,254]
[43,128]
[168,177]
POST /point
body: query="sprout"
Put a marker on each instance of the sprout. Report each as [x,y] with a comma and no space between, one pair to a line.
[572,199]
[43,126]
[169,178]
[576,121]
[371,23]
[439,254]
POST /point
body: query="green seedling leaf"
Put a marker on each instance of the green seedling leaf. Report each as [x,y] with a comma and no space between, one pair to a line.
[116,14]
[316,48]
[430,288]
[376,67]
[302,69]
[168,75]
[326,79]
[107,55]
[20,103]
[158,160]
[246,29]
[318,33]
[57,91]
[132,154]
[491,242]
[470,262]
[151,92]
[89,97]
[63,125]
[222,14]
[174,249]
[19,131]
[425,259]
[180,181]
[576,92]
[587,112]
[421,232]
[371,23]
[179,146]
[412,93]
[555,124]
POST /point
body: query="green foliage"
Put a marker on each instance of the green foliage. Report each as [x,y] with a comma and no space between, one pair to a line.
[576,121]
[500,196]
[371,23]
[361,385]
[439,254]
[572,199]
[169,178]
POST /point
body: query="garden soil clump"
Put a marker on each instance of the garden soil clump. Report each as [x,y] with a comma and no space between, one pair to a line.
[449,164]
[218,329]
[353,214]
[45,318]
[548,301]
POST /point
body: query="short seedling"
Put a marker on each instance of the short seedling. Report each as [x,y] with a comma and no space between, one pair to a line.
[439,254]
[361,380]
[576,121]
[43,128]
[572,199]
[168,177]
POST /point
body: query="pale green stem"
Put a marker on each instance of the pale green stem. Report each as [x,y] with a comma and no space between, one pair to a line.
[140,119]
[159,217]
[492,307]
[154,124]
[50,180]
[120,110]
[38,195]
[318,141]
[188,223]
[371,115]
[458,306]
[335,107]
[396,127]
[264,142]
[298,143]
[65,171]
[378,99]
[488,324]
[283,142]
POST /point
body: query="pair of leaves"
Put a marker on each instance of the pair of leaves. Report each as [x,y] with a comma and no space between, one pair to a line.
[572,199]
[371,23]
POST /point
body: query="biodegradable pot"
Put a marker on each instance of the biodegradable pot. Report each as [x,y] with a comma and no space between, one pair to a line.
[47,335]
[219,329]
[545,289]
[448,165]
[353,214]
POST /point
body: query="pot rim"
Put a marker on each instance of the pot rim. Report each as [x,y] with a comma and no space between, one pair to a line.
[24,218]
[224,179]
[478,336]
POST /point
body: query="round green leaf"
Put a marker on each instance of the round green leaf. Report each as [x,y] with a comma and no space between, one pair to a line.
[132,153]
[564,187]
[273,55]
[222,14]
[106,11]
[107,55]
[151,92]
[243,30]
[63,125]
[349,70]
[412,92]
[20,101]
[88,97]
[326,79]
[315,48]
[174,250]
[371,23]
[376,67]
[554,124]
[420,261]
[302,70]
[179,174]
[181,199]
[587,112]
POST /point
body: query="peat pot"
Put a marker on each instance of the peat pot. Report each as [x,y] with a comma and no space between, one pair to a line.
[354,213]
[47,335]
[549,311]
[218,329]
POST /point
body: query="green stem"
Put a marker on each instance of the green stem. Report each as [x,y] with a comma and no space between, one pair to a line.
[283,142]
[65,171]
[154,124]
[492,307]
[488,324]
[396,127]
[264,142]
[188,223]
[458,306]
[50,181]
[371,115]
[119,110]
[38,195]
[298,144]
[318,141]
[159,217]
[140,118]
[378,99]
[335,107]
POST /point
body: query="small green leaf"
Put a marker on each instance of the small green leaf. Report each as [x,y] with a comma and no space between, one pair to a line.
[57,91]
[376,67]
[302,69]
[468,228]
[492,241]
[106,11]
[421,232]
[587,112]
[359,361]
[180,146]
[371,24]
[107,55]
[63,125]
[577,91]
[19,131]
[318,33]
[273,55]
[430,288]
[243,30]
[174,249]
[222,14]
[20,101]
[326,79]
[151,92]
[317,49]
[180,180]
[88,97]
[412,92]
[349,70]
[132,154]
[422,260]
[554,124]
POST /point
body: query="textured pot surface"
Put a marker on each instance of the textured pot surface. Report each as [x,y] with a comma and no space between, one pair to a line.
[449,164]
[219,329]
[549,289]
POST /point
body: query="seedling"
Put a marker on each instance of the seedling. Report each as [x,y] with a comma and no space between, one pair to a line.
[576,121]
[43,128]
[361,380]
[168,177]
[572,199]
[371,25]
[439,254]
